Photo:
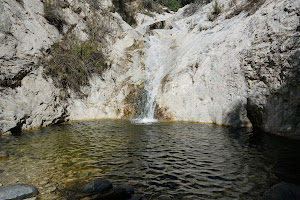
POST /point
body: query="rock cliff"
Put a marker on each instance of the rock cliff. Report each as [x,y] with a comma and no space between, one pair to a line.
[235,63]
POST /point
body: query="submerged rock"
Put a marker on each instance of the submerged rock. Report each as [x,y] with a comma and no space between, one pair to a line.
[128,188]
[18,192]
[137,197]
[4,154]
[282,191]
[115,195]
[165,197]
[98,186]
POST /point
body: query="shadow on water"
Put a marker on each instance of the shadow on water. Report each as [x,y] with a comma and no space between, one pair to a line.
[185,160]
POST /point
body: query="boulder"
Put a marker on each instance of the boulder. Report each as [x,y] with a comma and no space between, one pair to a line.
[282,191]
[98,186]
[165,197]
[128,188]
[137,197]
[18,192]
[115,195]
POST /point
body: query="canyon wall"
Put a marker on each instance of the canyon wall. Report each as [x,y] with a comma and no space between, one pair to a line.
[237,67]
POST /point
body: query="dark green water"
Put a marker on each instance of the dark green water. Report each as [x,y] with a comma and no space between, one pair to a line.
[185,160]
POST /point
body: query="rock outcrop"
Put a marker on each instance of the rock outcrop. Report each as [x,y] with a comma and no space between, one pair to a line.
[237,67]
[236,70]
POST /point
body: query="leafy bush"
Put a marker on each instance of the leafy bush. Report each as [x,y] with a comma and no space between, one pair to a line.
[173,5]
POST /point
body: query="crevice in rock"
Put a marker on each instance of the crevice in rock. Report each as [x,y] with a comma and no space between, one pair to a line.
[16,80]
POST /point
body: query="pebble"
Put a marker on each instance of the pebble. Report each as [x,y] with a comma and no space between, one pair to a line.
[4,154]
[44,182]
[51,189]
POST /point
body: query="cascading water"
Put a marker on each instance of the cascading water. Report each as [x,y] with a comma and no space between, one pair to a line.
[157,65]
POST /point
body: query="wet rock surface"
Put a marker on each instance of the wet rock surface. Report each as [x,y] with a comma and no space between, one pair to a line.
[128,188]
[165,197]
[137,197]
[98,186]
[282,191]
[18,192]
[101,189]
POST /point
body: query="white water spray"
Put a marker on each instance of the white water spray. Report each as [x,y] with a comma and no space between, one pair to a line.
[158,56]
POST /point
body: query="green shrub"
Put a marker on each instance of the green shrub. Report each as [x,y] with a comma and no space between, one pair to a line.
[148,5]
[173,5]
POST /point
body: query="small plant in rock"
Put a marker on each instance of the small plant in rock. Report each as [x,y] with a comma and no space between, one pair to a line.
[173,5]
[216,11]
[216,8]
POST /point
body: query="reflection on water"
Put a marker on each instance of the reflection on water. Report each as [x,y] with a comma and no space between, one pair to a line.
[186,160]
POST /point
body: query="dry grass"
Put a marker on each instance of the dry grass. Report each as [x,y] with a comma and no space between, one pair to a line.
[215,12]
[250,7]
[73,65]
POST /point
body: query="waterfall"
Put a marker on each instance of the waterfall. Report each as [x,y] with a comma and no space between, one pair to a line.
[157,65]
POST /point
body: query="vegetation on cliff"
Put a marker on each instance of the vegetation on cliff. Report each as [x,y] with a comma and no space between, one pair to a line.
[72,62]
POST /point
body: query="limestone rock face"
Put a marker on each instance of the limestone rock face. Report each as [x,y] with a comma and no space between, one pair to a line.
[239,67]
[35,103]
[24,94]
[272,69]
[236,71]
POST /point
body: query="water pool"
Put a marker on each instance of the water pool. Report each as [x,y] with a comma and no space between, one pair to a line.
[184,160]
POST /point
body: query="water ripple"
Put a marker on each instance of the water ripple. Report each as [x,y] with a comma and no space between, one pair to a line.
[187,161]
